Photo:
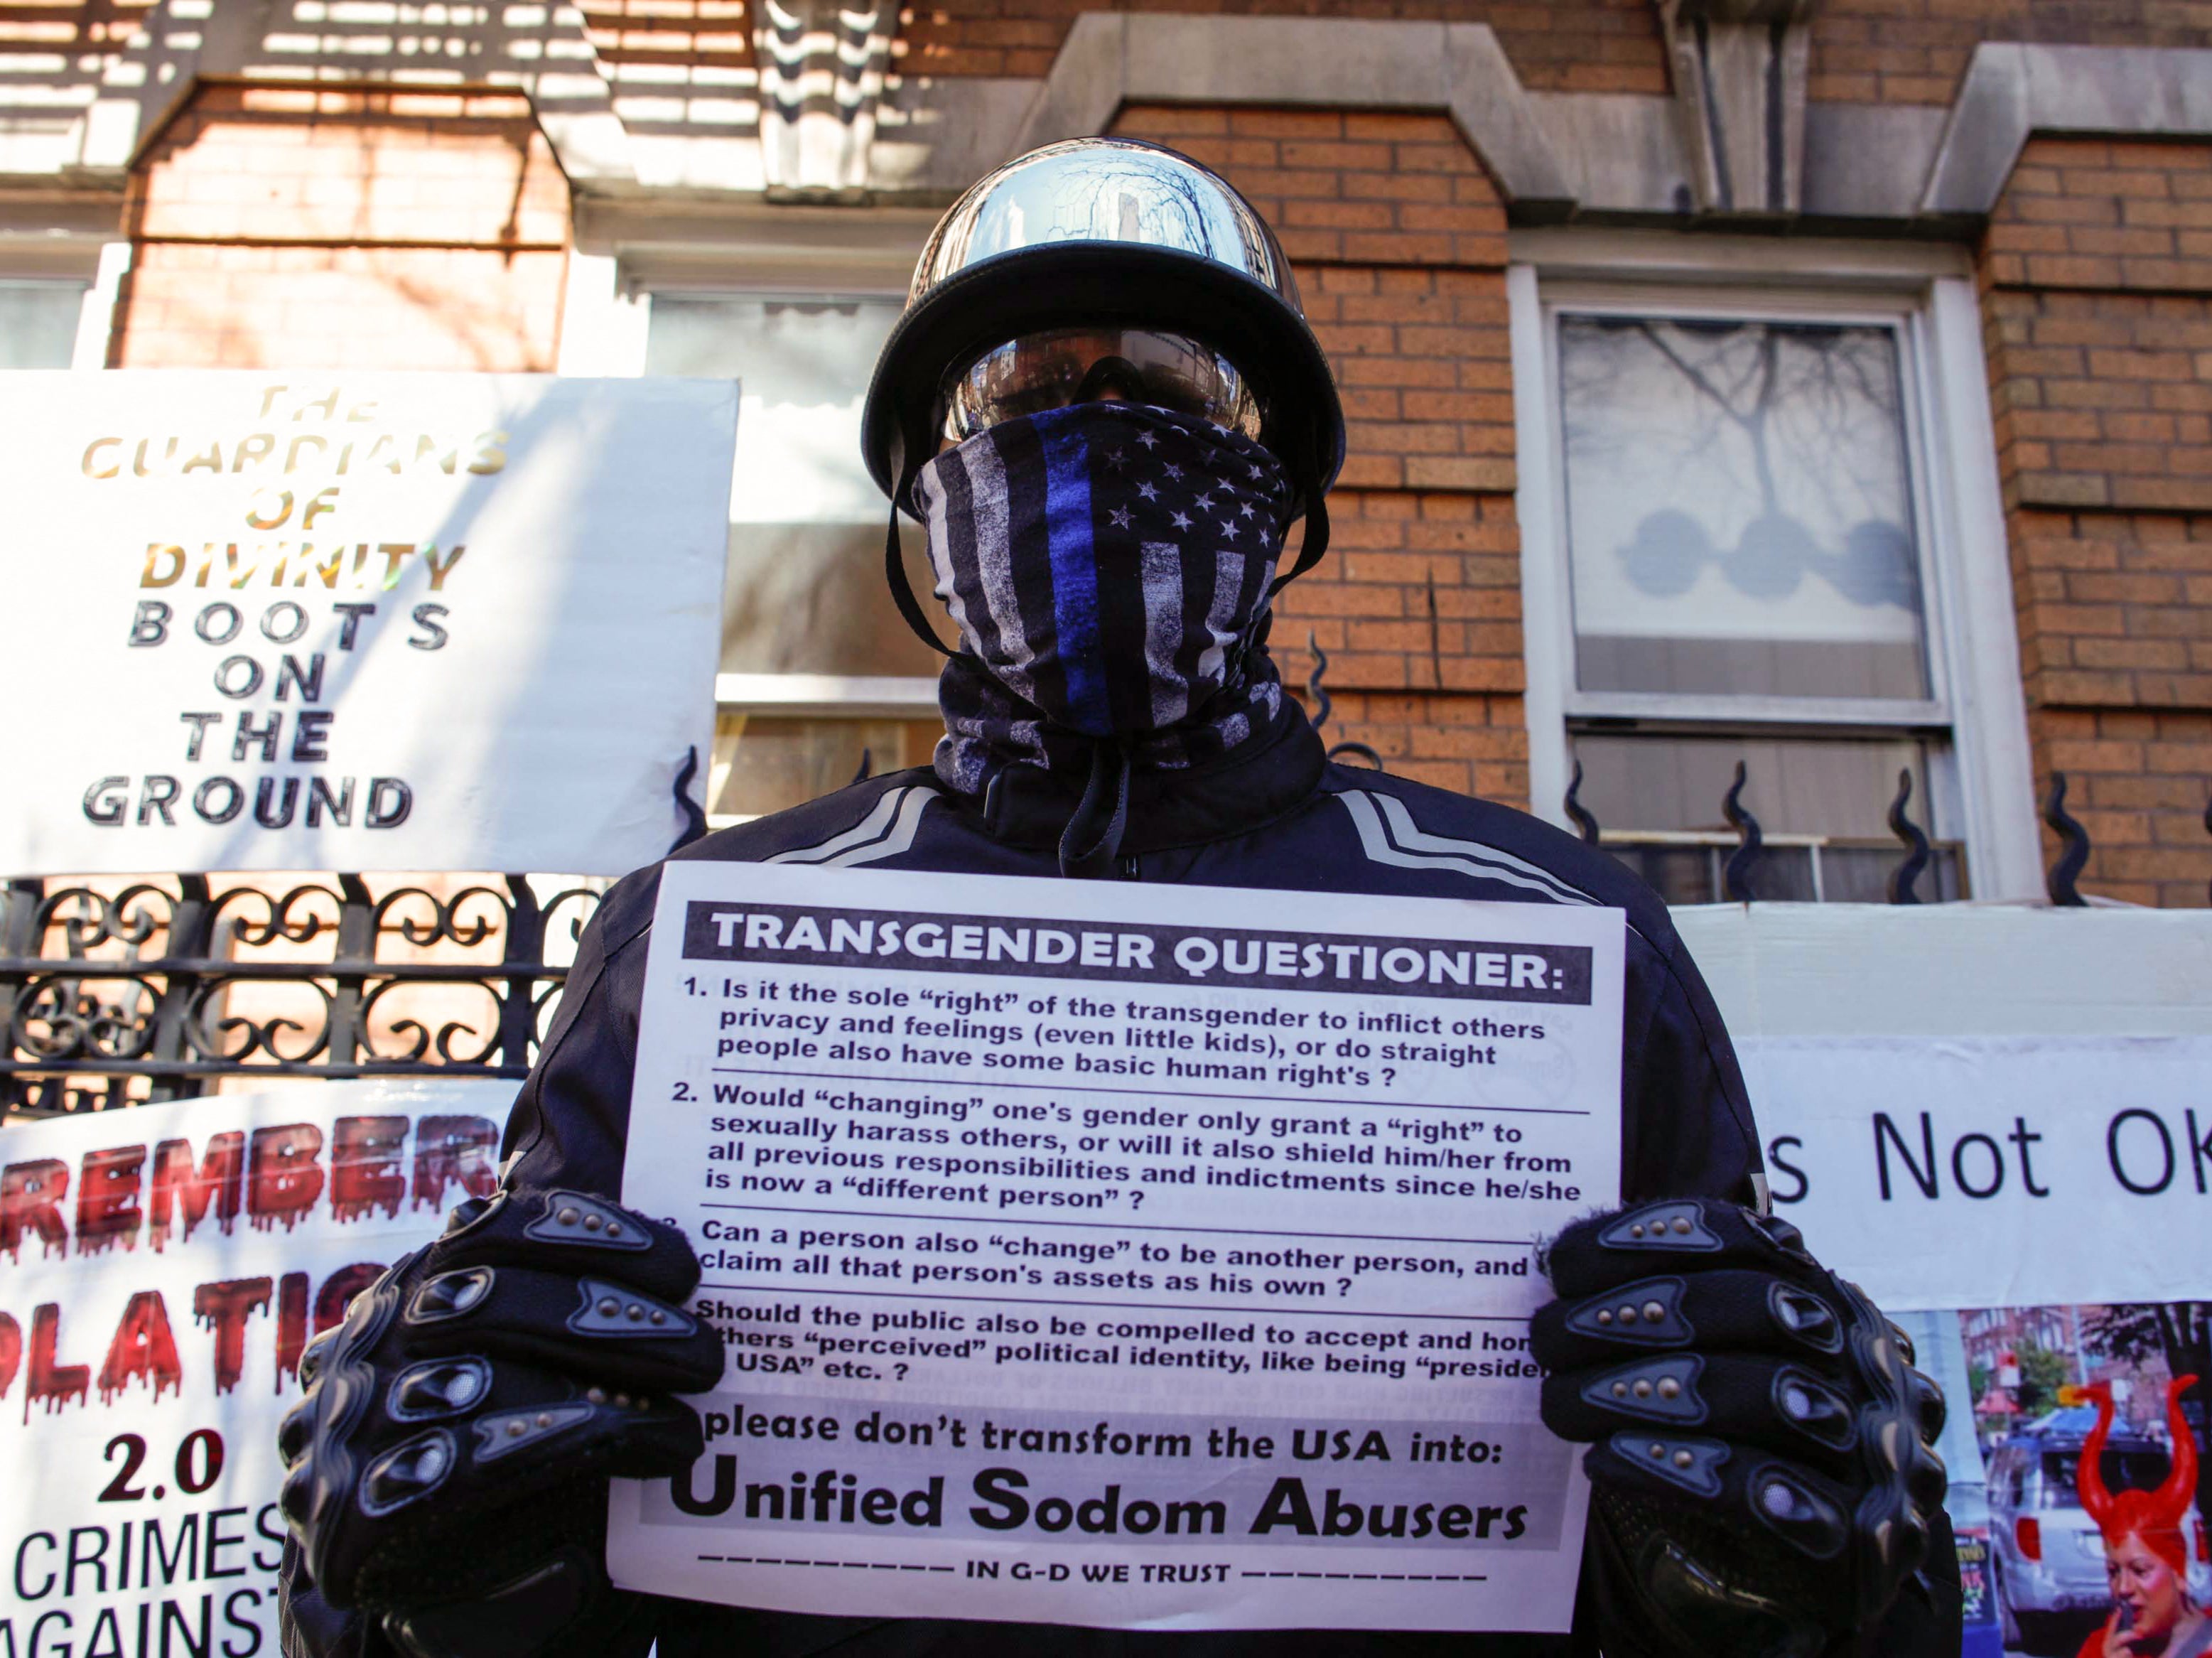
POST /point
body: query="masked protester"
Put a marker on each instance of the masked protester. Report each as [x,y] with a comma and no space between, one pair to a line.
[1104,405]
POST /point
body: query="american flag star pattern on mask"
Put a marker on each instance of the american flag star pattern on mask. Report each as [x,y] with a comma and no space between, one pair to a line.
[1106,566]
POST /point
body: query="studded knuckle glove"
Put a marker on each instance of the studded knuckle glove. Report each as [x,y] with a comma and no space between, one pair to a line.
[1763,1465]
[499,1375]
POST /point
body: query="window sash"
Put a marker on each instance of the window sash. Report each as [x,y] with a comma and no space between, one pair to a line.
[1721,710]
[55,320]
[1932,719]
[1901,315]
[806,524]
[1808,862]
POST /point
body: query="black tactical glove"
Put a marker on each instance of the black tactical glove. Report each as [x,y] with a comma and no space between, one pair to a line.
[450,1459]
[1764,1480]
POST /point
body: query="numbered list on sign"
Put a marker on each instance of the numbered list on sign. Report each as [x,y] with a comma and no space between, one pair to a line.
[1120,1255]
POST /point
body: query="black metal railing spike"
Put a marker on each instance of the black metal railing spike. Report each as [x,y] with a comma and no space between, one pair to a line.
[867,766]
[1736,877]
[2059,882]
[695,819]
[1315,692]
[1583,820]
[1915,844]
[1324,705]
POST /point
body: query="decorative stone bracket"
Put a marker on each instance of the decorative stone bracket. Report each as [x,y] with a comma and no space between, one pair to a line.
[2012,91]
[822,65]
[1739,69]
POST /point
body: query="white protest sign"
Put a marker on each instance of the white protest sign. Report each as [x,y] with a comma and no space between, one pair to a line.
[160,1269]
[1994,1171]
[374,621]
[1126,1255]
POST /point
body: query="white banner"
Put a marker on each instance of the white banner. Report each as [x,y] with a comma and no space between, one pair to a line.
[1994,1171]
[378,622]
[1135,1256]
[160,1269]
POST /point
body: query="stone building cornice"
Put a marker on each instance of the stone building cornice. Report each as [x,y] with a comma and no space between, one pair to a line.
[1735,143]
[1111,58]
[2013,91]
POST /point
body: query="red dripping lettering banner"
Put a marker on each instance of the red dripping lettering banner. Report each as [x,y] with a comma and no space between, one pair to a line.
[160,1269]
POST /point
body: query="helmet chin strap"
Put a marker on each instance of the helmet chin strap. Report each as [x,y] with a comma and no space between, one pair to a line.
[1306,478]
[902,594]
[909,607]
[1311,546]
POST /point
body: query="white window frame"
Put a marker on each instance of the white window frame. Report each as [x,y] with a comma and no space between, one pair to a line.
[1985,786]
[94,268]
[628,249]
[625,255]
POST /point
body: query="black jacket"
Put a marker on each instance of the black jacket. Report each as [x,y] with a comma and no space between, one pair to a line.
[1279,818]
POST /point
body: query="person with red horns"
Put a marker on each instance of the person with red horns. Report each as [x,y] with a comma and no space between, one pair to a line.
[2145,1552]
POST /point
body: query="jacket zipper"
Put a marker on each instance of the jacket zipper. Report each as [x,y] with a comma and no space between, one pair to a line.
[1129,870]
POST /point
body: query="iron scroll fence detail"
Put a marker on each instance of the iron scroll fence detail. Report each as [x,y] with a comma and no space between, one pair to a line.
[1916,854]
[161,988]
[1324,705]
[1751,839]
[1585,821]
[1734,866]
[2073,841]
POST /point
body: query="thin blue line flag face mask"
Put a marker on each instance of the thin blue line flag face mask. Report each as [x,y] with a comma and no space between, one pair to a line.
[1107,565]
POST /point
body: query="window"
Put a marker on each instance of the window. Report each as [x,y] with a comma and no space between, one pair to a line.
[817,666]
[2125,1469]
[2004,1480]
[1739,551]
[38,322]
[764,763]
[1739,510]
[805,590]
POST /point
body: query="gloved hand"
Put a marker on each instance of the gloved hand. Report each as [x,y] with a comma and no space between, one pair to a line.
[450,1458]
[1763,1477]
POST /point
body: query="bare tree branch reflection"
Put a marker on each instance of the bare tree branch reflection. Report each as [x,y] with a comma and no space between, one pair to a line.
[1801,424]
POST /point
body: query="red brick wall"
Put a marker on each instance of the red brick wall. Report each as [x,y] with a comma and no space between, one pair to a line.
[2096,278]
[1398,238]
[1562,46]
[1896,52]
[281,226]
[1891,51]
[688,34]
[2136,780]
[1913,52]
[1477,744]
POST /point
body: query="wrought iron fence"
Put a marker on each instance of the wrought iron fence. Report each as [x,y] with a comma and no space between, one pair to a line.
[1745,862]
[123,991]
[1748,864]
[118,993]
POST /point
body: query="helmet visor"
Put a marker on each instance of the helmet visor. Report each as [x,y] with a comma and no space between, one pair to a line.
[1064,366]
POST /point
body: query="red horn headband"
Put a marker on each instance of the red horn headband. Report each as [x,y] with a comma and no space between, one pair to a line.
[2154,1517]
[2089,1474]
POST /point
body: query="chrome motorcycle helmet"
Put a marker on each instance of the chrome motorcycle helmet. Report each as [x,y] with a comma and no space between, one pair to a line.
[1107,238]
